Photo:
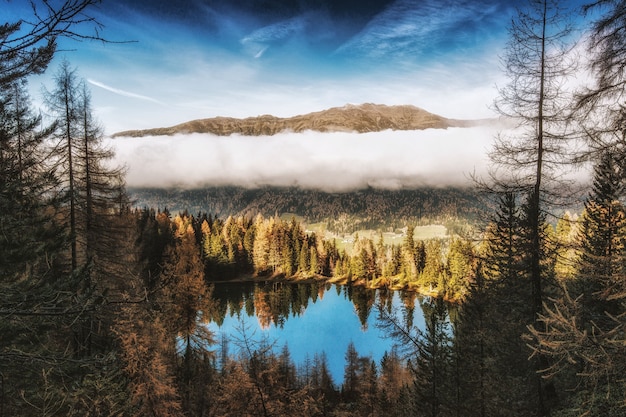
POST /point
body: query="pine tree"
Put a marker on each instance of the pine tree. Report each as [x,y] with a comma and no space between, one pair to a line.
[322,384]
[430,356]
[583,331]
[459,266]
[409,255]
[472,338]
[351,375]
[493,318]
[602,252]
[431,368]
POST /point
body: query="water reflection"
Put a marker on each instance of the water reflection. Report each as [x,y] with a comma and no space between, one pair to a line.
[273,303]
[313,317]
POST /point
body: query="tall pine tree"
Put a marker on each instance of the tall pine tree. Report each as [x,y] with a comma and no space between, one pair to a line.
[584,327]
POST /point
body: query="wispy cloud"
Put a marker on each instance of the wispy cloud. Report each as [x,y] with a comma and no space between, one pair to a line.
[257,42]
[277,31]
[123,92]
[407,30]
[261,52]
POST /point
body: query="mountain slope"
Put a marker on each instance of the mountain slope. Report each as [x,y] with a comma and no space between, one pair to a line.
[370,208]
[350,118]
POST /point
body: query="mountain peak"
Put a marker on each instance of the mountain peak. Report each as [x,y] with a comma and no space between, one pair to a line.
[360,118]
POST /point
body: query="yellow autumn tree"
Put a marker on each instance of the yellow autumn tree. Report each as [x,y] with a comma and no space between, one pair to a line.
[187,304]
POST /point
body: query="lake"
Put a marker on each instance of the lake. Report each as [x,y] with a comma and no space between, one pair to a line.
[311,318]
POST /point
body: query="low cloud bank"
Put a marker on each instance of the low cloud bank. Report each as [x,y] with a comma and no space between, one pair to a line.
[329,161]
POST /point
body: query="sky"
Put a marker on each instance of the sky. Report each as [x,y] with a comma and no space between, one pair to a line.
[189,59]
[168,62]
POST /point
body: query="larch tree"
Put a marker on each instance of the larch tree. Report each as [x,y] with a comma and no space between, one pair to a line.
[395,380]
[63,103]
[32,239]
[25,195]
[537,61]
[30,243]
[409,255]
[28,45]
[146,365]
[101,186]
[261,245]
[566,250]
[103,225]
[433,272]
[95,198]
[600,107]
[187,305]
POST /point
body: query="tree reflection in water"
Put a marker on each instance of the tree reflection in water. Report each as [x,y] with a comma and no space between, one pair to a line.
[312,318]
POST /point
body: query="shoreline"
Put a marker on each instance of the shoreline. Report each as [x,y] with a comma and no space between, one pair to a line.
[375,284]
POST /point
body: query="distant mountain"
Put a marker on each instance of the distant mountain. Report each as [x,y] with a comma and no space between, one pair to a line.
[350,118]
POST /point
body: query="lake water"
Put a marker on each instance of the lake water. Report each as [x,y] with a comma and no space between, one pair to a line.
[312,318]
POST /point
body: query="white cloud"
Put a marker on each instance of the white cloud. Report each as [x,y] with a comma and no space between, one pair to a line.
[122,92]
[332,161]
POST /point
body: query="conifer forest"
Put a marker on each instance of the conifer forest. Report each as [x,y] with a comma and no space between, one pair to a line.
[104,303]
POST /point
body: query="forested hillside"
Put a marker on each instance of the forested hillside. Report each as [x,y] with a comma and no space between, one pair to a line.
[344,212]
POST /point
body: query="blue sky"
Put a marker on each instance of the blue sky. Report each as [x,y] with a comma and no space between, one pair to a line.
[173,61]
[203,58]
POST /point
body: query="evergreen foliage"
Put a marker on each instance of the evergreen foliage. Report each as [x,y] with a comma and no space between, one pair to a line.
[103,308]
[583,326]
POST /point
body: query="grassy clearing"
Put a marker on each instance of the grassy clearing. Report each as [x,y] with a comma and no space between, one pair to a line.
[346,241]
[431,231]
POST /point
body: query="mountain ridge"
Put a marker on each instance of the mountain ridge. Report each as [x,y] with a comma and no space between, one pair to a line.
[360,118]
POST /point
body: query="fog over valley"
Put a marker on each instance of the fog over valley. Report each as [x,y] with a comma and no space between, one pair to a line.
[337,161]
